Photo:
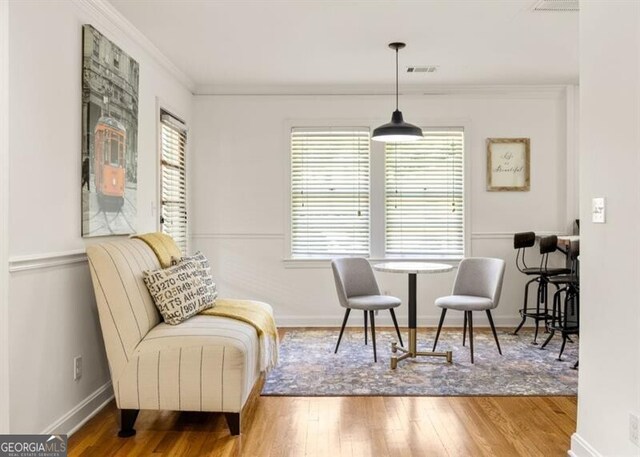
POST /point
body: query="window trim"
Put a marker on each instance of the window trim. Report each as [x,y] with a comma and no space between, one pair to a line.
[163,107]
[376,186]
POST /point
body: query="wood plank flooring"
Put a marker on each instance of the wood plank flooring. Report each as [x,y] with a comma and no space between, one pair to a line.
[345,426]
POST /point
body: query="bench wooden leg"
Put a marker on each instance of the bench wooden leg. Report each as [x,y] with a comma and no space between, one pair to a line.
[233,421]
[127,419]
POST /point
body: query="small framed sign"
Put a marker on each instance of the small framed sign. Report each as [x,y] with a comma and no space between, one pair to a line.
[508,162]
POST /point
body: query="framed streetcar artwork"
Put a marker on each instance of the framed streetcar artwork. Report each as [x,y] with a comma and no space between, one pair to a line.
[109,137]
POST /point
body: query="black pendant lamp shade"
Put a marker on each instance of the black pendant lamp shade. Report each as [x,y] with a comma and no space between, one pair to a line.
[397,130]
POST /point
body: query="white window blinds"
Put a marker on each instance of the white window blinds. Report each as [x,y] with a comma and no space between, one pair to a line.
[329,192]
[424,212]
[173,185]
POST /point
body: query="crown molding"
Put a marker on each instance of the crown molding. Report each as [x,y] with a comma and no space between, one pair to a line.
[553,91]
[117,24]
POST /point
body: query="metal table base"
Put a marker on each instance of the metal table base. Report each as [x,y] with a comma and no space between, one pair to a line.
[412,352]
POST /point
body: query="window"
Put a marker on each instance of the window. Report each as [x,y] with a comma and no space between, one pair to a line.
[173,186]
[424,213]
[351,197]
[329,192]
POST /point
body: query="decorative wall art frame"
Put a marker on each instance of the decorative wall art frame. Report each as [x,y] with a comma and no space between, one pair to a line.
[508,164]
[109,137]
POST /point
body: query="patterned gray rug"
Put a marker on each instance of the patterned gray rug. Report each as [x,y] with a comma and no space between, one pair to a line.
[308,366]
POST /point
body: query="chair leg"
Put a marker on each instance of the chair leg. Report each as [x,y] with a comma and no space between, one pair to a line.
[564,342]
[515,332]
[470,319]
[373,335]
[365,327]
[551,335]
[493,329]
[535,335]
[233,422]
[395,323]
[524,310]
[127,419]
[344,322]
[464,329]
[444,312]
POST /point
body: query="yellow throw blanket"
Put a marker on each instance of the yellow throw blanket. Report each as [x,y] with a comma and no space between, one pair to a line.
[260,316]
[163,246]
[255,313]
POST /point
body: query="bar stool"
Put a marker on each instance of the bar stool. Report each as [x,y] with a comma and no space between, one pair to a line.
[548,245]
[566,319]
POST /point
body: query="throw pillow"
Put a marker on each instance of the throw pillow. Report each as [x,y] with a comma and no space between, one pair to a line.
[205,271]
[178,291]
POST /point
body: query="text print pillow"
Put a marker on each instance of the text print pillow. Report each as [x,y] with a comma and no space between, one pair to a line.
[178,291]
[204,270]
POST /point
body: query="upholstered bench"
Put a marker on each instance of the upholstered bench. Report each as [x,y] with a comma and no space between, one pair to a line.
[207,363]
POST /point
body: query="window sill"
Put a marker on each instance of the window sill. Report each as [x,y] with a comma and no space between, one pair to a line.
[323,263]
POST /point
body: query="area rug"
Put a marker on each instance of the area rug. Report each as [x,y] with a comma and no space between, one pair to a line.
[308,366]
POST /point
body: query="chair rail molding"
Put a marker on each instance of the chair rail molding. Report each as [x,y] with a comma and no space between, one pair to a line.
[245,236]
[48,260]
[117,24]
[4,216]
[509,235]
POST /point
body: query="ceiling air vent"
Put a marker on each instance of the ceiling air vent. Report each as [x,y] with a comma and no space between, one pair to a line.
[423,69]
[557,5]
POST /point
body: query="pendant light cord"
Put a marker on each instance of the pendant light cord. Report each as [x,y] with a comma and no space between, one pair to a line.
[396,79]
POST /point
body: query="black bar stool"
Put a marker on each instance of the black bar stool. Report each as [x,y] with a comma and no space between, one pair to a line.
[565,319]
[541,274]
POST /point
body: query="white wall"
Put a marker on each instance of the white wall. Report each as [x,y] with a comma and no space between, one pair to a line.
[4,216]
[609,384]
[52,313]
[240,189]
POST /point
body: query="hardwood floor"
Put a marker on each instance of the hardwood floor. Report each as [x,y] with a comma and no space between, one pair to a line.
[345,426]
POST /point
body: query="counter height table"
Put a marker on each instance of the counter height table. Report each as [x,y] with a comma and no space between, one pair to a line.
[413,269]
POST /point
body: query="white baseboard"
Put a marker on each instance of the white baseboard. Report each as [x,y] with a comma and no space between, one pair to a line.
[82,412]
[580,448]
[383,319]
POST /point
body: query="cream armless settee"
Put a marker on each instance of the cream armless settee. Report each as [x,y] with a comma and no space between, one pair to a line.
[206,363]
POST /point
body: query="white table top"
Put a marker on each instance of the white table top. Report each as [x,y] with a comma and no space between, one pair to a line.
[413,267]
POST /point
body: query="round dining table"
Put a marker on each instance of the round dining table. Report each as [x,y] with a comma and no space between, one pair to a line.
[413,269]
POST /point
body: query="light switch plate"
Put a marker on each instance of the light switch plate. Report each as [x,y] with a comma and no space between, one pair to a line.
[598,210]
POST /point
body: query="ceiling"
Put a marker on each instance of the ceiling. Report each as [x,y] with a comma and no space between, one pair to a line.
[271,45]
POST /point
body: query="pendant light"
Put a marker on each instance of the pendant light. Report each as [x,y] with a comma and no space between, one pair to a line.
[397,130]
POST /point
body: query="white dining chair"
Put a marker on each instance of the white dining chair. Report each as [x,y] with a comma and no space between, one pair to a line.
[477,287]
[358,289]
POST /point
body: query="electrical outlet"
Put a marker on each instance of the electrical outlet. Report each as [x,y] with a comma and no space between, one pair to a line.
[634,429]
[77,368]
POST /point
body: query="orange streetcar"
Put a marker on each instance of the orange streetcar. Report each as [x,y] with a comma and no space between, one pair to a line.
[109,163]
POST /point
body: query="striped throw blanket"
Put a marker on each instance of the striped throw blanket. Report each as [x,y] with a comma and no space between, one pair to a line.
[260,316]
